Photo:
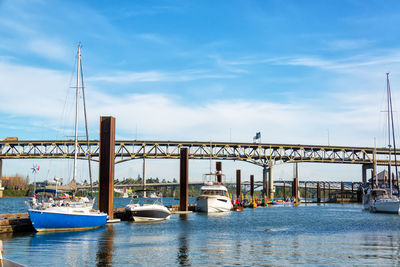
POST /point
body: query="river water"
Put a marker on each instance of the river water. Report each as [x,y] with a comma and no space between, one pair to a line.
[319,235]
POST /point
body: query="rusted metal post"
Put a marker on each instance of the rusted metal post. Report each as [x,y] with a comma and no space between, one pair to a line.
[252,186]
[267,194]
[184,180]
[318,192]
[106,165]
[295,184]
[218,167]
[295,189]
[342,190]
[238,183]
[284,190]
[324,190]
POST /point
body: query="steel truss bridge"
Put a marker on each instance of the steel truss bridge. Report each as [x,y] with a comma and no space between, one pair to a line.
[260,154]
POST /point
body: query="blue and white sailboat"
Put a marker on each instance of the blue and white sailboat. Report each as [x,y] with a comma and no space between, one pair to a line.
[68,215]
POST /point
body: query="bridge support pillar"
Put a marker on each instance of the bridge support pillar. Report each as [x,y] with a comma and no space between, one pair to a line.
[271,181]
[252,186]
[184,180]
[364,173]
[318,192]
[218,168]
[365,167]
[106,165]
[238,183]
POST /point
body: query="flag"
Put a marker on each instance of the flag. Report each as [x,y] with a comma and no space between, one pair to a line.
[258,136]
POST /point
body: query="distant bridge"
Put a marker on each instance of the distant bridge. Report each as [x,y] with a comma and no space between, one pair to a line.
[260,154]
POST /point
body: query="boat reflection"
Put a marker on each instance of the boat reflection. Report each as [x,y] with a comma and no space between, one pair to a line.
[183,250]
[105,250]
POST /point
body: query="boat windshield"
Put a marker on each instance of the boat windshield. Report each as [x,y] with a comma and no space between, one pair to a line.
[147,201]
[214,192]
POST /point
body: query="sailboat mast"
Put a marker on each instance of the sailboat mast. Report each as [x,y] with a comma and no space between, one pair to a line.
[76,111]
[393,135]
[389,131]
[87,130]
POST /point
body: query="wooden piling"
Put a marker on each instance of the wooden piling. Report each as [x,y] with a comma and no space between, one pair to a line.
[184,180]
[252,186]
[106,165]
[218,167]
[318,192]
[324,190]
[238,183]
[295,190]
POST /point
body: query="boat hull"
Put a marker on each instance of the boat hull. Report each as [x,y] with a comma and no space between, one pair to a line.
[149,213]
[43,220]
[211,204]
[386,206]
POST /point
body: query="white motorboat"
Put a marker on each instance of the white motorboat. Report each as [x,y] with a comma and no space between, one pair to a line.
[214,196]
[149,209]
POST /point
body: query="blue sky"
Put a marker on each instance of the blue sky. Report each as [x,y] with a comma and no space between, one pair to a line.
[202,70]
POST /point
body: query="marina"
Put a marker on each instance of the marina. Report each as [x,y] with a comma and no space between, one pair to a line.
[199,133]
[317,234]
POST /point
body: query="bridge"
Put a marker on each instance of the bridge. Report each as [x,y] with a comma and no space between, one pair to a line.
[263,154]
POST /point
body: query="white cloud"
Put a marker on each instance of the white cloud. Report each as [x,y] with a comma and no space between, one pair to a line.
[125,77]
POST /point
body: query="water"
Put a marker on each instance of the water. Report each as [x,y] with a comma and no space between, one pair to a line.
[322,235]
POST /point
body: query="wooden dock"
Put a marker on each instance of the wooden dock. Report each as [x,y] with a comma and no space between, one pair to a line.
[15,222]
[20,222]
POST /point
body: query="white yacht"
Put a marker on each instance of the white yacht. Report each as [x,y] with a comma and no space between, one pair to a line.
[384,202]
[149,209]
[214,197]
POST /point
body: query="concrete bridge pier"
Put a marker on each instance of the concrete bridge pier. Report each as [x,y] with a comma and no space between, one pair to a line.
[271,188]
[366,167]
